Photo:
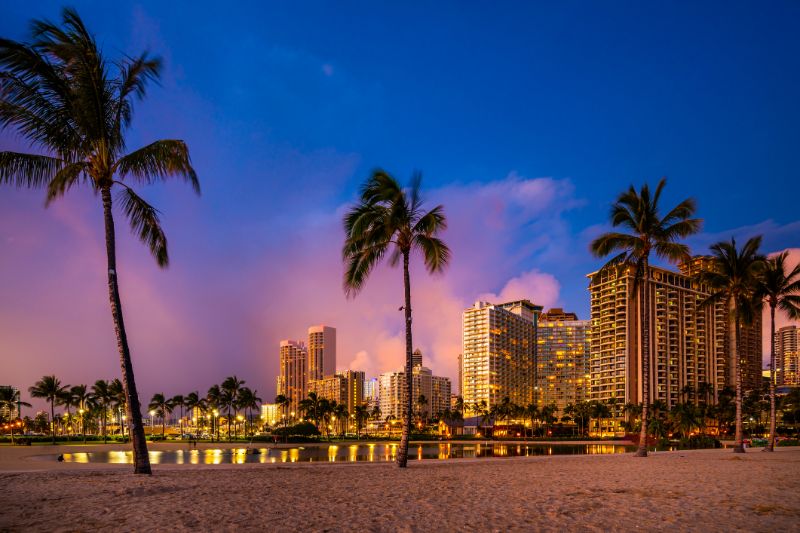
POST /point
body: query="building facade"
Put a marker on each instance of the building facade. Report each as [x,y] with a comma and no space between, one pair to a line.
[562,359]
[498,353]
[9,411]
[293,373]
[345,388]
[688,340]
[321,352]
[392,392]
[271,414]
[787,356]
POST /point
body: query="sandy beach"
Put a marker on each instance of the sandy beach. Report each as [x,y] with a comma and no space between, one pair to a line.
[709,490]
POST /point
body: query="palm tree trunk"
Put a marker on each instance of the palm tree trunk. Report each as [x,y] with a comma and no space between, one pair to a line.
[105,414]
[772,423]
[738,446]
[53,420]
[402,453]
[141,461]
[645,349]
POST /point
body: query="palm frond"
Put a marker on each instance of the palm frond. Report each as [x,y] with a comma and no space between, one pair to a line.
[435,252]
[158,161]
[145,224]
[28,170]
[64,179]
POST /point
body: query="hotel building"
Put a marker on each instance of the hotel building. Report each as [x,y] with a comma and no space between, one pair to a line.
[499,353]
[271,414]
[787,356]
[345,388]
[321,352]
[392,391]
[9,412]
[562,359]
[688,341]
[293,374]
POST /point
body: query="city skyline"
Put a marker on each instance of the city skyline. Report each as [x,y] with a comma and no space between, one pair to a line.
[224,316]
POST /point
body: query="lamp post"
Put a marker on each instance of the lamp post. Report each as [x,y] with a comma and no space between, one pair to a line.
[215,423]
[83,426]
[152,415]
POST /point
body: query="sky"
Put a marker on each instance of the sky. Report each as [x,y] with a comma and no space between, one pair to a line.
[525,119]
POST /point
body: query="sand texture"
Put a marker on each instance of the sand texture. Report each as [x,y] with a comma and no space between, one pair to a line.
[711,490]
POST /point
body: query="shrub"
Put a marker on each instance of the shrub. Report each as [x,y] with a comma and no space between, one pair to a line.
[789,442]
[303,429]
[699,442]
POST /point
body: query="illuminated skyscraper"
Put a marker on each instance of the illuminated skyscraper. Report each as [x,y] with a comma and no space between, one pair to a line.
[292,375]
[688,340]
[321,352]
[346,388]
[562,359]
[498,353]
[787,356]
[392,391]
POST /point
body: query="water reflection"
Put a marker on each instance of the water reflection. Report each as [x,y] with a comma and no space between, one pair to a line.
[353,453]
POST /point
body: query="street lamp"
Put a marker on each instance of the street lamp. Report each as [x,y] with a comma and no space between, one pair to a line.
[152,414]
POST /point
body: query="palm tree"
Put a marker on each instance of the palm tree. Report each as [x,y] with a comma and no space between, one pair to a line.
[339,410]
[102,395]
[119,398]
[11,400]
[283,402]
[78,396]
[313,407]
[361,414]
[51,389]
[732,277]
[249,401]
[780,291]
[214,399]
[388,216]
[179,401]
[162,407]
[193,403]
[230,389]
[61,94]
[647,232]
[422,401]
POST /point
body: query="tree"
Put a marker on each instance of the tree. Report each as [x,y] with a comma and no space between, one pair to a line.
[779,290]
[283,402]
[230,394]
[214,399]
[249,401]
[50,389]
[78,396]
[61,94]
[195,403]
[390,217]
[11,400]
[313,408]
[119,396]
[102,395]
[162,407]
[361,415]
[422,402]
[732,277]
[179,401]
[648,232]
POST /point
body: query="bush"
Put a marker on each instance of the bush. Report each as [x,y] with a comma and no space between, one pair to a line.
[303,429]
[699,442]
[788,442]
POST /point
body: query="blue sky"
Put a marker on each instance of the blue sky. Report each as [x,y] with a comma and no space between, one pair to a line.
[288,106]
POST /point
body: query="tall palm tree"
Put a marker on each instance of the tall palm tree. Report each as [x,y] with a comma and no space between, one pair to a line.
[162,407]
[361,415]
[230,388]
[195,403]
[51,389]
[102,395]
[62,94]
[249,401]
[639,213]
[79,394]
[119,399]
[732,277]
[214,400]
[11,400]
[388,216]
[179,401]
[779,290]
[313,407]
[283,402]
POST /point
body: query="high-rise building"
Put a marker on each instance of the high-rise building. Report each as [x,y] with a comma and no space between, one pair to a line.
[345,388]
[293,374]
[271,413]
[562,359]
[499,352]
[372,392]
[392,392]
[688,340]
[321,352]
[787,356]
[416,358]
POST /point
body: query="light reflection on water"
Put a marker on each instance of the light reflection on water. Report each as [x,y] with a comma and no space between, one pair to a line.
[373,452]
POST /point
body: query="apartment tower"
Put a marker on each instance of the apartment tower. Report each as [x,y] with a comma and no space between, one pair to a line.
[293,374]
[787,356]
[562,359]
[499,353]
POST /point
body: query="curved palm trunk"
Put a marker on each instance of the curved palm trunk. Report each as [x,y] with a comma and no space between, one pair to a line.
[141,461]
[738,446]
[645,348]
[772,423]
[402,452]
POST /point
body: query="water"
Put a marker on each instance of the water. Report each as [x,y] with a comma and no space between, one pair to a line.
[344,453]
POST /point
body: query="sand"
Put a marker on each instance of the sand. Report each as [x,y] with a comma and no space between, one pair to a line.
[709,490]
